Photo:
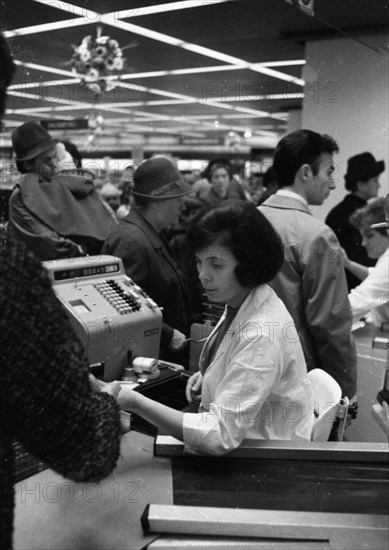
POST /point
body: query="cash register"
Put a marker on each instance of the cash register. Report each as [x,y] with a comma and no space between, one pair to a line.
[118,323]
[113,317]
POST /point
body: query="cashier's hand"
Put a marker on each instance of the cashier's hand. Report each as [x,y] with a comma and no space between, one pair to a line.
[193,388]
[112,388]
[178,340]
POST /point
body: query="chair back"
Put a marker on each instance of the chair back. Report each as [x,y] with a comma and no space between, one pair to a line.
[327,397]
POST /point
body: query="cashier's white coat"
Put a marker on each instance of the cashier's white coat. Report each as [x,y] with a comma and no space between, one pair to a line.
[256,387]
[371,297]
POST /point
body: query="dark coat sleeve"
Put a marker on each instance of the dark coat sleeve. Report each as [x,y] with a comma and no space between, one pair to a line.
[45,395]
[148,267]
[46,243]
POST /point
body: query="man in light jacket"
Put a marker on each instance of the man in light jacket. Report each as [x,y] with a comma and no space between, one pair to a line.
[312,281]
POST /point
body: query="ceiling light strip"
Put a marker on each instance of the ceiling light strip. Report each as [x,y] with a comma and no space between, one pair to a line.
[111,19]
[68,104]
[285,63]
[193,70]
[44,68]
[45,27]
[201,50]
[133,76]
[47,83]
[26,95]
[215,104]
[278,74]
[88,15]
[147,74]
[162,8]
[258,97]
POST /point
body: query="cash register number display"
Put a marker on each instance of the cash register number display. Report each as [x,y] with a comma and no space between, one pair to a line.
[86,271]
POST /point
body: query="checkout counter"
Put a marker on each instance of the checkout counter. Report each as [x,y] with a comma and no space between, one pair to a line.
[372,365]
[265,495]
[275,495]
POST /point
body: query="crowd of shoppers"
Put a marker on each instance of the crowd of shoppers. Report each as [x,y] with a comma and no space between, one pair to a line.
[261,255]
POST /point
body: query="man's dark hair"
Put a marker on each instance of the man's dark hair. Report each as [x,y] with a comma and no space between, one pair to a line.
[298,148]
[7,69]
[243,229]
[269,176]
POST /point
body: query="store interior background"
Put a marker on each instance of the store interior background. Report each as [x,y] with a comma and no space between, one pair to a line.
[204,79]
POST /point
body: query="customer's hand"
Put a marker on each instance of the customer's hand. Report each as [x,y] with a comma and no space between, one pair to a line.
[127,398]
[63,159]
[112,388]
[193,388]
[178,340]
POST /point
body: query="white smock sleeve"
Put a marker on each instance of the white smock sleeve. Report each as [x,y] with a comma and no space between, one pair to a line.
[373,292]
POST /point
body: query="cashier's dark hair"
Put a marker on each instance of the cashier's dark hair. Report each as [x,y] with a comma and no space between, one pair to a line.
[239,226]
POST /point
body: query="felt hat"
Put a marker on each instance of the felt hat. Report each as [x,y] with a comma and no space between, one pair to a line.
[362,167]
[30,140]
[158,179]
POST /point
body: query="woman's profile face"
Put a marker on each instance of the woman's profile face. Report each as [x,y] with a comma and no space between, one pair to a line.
[375,242]
[220,180]
[216,268]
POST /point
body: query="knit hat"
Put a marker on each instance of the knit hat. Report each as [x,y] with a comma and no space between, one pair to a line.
[362,167]
[158,178]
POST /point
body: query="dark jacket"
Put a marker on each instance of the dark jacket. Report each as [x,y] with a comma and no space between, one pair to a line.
[148,260]
[46,402]
[63,218]
[235,191]
[349,237]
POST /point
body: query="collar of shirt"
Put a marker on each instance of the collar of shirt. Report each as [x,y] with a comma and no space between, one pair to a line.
[292,195]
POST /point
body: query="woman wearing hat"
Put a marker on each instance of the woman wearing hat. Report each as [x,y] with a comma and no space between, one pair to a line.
[158,194]
[362,180]
[58,214]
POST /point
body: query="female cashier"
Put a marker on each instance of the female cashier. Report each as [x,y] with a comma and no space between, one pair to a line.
[252,379]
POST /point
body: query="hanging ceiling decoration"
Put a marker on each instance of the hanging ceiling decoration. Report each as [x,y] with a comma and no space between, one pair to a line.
[96,60]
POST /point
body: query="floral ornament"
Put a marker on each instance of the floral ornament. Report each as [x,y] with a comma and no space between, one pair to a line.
[95,127]
[97,58]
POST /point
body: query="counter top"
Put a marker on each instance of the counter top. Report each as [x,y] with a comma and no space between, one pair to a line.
[53,513]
